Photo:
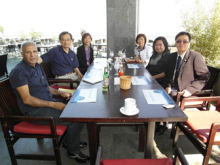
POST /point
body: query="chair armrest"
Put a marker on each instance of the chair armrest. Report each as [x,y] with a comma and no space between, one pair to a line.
[52,80]
[179,154]
[83,69]
[194,99]
[99,156]
[204,92]
[213,130]
[179,94]
[29,119]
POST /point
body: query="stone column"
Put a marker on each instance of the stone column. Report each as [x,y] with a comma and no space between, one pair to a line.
[121,25]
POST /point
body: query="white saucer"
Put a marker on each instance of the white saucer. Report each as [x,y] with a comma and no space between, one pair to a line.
[122,110]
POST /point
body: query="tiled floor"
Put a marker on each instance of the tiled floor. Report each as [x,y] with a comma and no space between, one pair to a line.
[117,142]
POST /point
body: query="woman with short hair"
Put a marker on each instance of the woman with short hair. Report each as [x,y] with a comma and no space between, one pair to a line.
[85,52]
[142,52]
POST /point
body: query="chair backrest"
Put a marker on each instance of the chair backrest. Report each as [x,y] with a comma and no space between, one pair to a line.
[75,44]
[3,66]
[11,48]
[47,69]
[8,102]
[213,79]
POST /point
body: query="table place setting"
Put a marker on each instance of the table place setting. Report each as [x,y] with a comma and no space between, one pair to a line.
[130,107]
[84,95]
[93,76]
[134,66]
[140,80]
[157,97]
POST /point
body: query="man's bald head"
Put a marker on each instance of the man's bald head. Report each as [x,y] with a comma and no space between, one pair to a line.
[24,44]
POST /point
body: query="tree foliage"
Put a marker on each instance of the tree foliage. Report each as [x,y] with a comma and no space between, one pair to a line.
[35,34]
[23,35]
[204,26]
[1,29]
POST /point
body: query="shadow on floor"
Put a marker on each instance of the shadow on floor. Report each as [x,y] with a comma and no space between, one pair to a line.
[118,143]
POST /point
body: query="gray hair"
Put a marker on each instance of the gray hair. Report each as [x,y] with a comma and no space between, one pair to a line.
[27,43]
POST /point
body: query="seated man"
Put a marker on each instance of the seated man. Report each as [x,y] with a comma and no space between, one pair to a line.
[34,98]
[63,60]
[187,70]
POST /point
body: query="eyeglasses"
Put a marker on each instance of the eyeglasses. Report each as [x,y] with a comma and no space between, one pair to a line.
[184,42]
[66,40]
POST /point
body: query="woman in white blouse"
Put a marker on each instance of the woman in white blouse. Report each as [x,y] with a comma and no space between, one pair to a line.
[142,52]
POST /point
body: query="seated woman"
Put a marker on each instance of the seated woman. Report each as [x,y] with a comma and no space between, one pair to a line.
[142,52]
[157,68]
[85,53]
[157,64]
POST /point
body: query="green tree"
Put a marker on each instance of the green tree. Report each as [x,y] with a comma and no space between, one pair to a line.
[1,29]
[35,34]
[204,26]
[23,35]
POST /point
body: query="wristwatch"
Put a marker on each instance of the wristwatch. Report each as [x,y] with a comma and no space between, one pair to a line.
[58,92]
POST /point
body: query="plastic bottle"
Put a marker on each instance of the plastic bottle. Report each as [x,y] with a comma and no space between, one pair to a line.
[121,72]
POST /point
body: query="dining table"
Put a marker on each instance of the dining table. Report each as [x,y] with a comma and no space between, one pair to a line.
[106,108]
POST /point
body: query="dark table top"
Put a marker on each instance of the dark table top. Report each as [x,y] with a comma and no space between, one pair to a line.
[107,105]
[131,72]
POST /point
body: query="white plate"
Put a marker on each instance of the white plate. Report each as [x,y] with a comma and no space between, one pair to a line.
[122,110]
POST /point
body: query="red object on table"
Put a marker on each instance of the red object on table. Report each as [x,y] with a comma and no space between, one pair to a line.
[120,73]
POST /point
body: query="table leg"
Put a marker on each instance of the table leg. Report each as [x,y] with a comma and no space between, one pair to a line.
[142,137]
[150,130]
[92,129]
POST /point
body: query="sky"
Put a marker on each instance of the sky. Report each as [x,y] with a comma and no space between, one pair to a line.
[53,16]
[157,17]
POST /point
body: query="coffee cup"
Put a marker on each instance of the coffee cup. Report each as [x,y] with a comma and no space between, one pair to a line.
[130,105]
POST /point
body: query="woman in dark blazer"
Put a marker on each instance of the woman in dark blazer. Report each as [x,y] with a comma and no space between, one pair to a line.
[85,53]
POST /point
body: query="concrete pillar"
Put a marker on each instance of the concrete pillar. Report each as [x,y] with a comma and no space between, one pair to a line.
[121,25]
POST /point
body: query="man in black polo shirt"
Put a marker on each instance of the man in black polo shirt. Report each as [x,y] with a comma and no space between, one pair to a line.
[34,98]
[63,60]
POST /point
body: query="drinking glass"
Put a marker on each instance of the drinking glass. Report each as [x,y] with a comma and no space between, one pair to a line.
[123,57]
[116,66]
[111,55]
[143,59]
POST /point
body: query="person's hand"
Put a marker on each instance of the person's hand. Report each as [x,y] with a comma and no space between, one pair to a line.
[168,90]
[137,59]
[186,93]
[66,95]
[80,75]
[59,106]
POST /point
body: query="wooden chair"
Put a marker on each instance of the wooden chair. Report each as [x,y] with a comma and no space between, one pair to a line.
[3,66]
[206,91]
[51,78]
[202,127]
[16,126]
[11,50]
[164,161]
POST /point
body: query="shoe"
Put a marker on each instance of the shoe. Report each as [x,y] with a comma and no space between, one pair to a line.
[81,145]
[160,130]
[79,157]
